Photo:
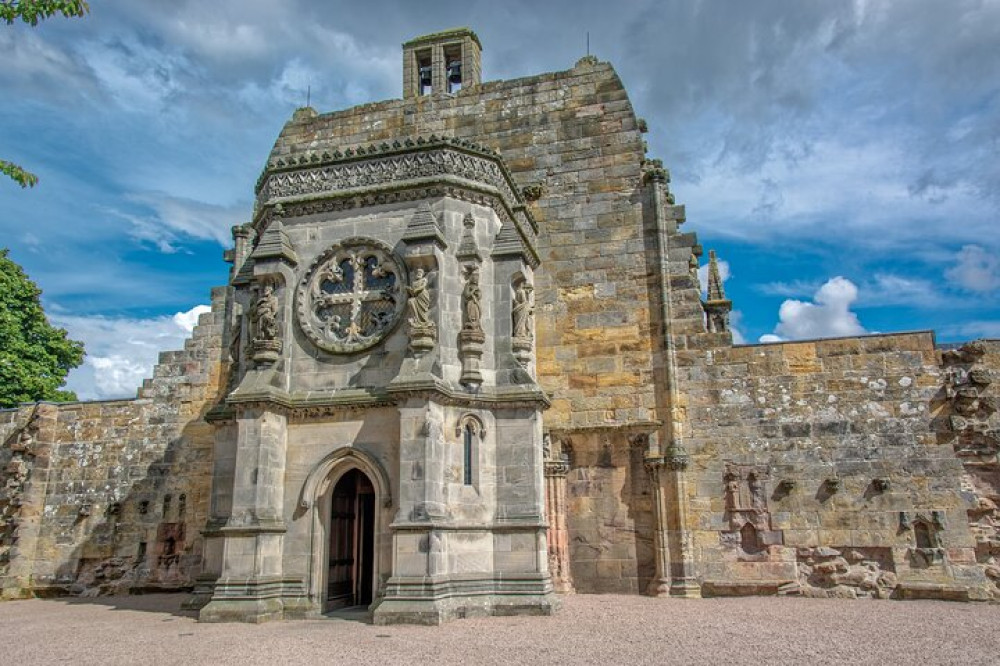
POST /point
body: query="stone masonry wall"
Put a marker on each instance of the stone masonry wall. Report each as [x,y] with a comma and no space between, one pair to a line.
[111,496]
[609,514]
[572,139]
[829,450]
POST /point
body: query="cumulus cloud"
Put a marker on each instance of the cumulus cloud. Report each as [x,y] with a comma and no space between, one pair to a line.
[975,269]
[122,351]
[828,315]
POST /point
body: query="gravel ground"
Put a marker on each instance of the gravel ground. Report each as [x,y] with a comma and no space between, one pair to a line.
[589,630]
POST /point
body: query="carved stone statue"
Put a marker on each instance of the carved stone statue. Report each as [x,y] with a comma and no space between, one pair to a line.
[423,332]
[471,337]
[419,305]
[472,311]
[264,325]
[523,311]
[264,315]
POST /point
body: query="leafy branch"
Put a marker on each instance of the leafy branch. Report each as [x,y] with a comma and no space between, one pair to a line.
[33,11]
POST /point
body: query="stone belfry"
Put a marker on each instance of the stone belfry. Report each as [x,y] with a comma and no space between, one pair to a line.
[380,442]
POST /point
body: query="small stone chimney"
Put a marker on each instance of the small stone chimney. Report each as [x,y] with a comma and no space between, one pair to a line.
[444,62]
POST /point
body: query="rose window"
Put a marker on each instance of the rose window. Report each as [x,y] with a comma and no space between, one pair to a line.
[352,296]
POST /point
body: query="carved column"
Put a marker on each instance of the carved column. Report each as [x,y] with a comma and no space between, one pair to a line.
[556,468]
[660,585]
[672,539]
[683,581]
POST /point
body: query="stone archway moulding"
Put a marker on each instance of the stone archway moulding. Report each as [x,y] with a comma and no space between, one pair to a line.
[317,486]
[347,457]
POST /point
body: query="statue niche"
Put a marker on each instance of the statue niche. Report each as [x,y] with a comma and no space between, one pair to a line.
[423,331]
[522,321]
[471,337]
[747,512]
[264,326]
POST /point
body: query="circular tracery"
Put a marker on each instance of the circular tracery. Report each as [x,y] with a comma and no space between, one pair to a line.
[351,296]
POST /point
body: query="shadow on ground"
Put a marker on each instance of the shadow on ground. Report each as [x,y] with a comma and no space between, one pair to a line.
[169,604]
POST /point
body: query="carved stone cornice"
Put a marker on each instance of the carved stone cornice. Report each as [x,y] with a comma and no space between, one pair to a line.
[518,220]
[330,403]
[365,170]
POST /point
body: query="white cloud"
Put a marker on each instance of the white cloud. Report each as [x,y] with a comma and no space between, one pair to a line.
[829,315]
[973,329]
[121,351]
[166,221]
[736,326]
[975,269]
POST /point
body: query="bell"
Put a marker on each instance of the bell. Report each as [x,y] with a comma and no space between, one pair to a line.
[455,72]
[425,76]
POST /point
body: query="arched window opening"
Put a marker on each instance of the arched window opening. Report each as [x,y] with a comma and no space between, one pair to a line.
[166,506]
[468,432]
[922,533]
[181,505]
[749,539]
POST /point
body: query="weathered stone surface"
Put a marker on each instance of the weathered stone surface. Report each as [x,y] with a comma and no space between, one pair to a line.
[538,243]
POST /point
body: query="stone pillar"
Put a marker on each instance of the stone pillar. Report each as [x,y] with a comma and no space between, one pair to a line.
[250,587]
[683,581]
[674,560]
[660,585]
[558,534]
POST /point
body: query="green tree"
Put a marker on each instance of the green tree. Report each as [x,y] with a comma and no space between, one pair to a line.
[34,355]
[31,12]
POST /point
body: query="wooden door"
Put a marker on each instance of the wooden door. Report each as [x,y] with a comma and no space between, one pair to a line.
[352,535]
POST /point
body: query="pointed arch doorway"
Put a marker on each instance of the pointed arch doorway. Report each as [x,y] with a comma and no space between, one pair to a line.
[351,547]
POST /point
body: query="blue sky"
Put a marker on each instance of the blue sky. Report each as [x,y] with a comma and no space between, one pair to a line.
[841,157]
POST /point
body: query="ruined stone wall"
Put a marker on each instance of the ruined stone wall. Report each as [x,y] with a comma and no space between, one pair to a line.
[111,496]
[821,462]
[970,423]
[609,514]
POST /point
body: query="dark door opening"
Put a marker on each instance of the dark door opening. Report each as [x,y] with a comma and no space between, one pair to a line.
[352,536]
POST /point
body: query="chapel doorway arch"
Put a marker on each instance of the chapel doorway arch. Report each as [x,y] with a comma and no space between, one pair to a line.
[351,547]
[354,484]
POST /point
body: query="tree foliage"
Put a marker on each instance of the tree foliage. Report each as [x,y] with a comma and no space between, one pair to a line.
[34,355]
[31,12]
[19,175]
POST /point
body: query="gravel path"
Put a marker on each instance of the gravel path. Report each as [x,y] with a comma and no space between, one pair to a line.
[589,630]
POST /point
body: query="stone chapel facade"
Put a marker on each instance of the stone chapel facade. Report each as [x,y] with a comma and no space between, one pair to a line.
[463,364]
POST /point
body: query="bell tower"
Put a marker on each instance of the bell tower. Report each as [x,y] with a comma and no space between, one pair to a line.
[443,62]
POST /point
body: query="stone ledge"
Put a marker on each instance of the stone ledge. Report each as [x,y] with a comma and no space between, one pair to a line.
[743,588]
